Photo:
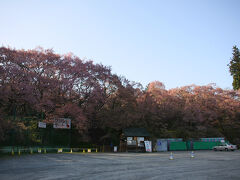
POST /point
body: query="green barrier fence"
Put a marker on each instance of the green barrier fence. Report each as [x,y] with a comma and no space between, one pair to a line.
[176,146]
[205,145]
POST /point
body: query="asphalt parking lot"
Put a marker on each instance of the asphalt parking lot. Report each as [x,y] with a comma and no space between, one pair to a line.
[108,166]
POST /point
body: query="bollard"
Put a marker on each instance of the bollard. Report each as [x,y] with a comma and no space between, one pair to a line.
[83,150]
[31,151]
[71,150]
[19,152]
[96,149]
[12,152]
[192,154]
[171,156]
[45,151]
[39,150]
[89,150]
[60,150]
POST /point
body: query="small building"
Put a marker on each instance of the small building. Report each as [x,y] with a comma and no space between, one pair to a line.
[132,139]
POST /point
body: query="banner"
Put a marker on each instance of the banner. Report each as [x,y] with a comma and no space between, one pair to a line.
[62,123]
[148,146]
[42,125]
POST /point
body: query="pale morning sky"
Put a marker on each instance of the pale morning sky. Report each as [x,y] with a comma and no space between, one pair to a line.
[178,42]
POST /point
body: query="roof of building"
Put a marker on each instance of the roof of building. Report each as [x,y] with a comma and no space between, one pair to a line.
[137,132]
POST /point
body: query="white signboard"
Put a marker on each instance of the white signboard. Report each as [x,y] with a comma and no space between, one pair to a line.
[148,146]
[42,125]
[129,138]
[62,123]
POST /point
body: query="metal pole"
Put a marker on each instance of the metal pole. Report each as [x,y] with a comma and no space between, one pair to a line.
[42,131]
[69,138]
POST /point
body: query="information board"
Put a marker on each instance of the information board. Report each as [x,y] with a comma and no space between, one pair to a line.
[62,123]
[42,125]
[148,146]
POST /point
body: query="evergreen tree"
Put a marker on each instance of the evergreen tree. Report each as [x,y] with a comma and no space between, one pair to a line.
[234,68]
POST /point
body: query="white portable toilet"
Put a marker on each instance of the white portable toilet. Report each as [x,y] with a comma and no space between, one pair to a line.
[162,145]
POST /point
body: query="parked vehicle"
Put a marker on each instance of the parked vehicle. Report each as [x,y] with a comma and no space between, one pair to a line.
[225,147]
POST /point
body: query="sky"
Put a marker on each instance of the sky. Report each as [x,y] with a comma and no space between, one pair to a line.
[177,42]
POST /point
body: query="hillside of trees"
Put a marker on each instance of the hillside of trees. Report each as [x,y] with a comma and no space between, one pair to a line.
[40,85]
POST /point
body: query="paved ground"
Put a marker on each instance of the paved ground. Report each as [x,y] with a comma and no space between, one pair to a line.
[108,166]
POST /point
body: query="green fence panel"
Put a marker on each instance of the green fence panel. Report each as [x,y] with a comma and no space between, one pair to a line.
[6,149]
[176,146]
[204,145]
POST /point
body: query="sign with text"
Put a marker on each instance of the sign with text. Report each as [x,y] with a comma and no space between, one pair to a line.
[148,146]
[42,125]
[62,123]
